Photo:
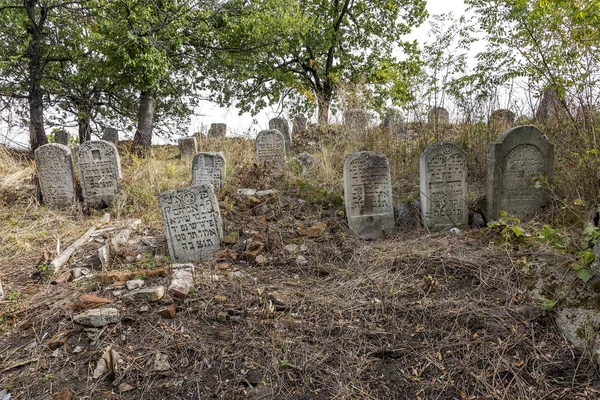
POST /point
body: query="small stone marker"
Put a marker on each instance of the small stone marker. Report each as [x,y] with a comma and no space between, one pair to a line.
[438,115]
[299,125]
[217,131]
[54,165]
[193,224]
[270,148]
[357,122]
[209,168]
[99,168]
[393,123]
[281,124]
[521,155]
[443,184]
[188,147]
[111,135]
[62,137]
[368,194]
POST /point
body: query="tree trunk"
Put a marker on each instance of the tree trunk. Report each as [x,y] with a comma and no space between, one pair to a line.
[37,135]
[85,127]
[143,135]
[323,113]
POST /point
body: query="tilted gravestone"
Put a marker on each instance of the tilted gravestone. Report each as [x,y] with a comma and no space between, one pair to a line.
[217,131]
[516,163]
[299,125]
[188,147]
[393,123]
[54,165]
[99,168]
[368,194]
[209,168]
[356,122]
[62,137]
[270,148]
[443,184]
[438,115]
[111,135]
[192,221]
[281,124]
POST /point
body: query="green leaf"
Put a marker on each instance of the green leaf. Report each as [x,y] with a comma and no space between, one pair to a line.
[584,274]
[588,257]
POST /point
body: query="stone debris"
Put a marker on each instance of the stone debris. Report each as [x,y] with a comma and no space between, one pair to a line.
[125,387]
[108,363]
[150,294]
[159,362]
[97,317]
[77,350]
[301,261]
[135,284]
[264,193]
[246,192]
[64,277]
[291,248]
[92,301]
[104,256]
[120,239]
[183,279]
[167,311]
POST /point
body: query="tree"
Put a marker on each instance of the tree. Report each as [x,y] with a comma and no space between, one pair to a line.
[305,49]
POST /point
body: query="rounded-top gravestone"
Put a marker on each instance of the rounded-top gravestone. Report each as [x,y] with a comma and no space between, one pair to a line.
[270,148]
[99,168]
[519,165]
[443,185]
[281,124]
[209,168]
[438,116]
[188,146]
[368,195]
[54,166]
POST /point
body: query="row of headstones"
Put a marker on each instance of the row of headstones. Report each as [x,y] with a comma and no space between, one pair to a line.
[99,170]
[519,157]
[109,135]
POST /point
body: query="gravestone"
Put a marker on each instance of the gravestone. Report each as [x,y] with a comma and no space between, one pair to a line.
[443,184]
[188,147]
[209,168]
[111,135]
[54,166]
[368,194]
[299,125]
[270,148]
[438,115]
[501,120]
[515,162]
[356,122]
[217,131]
[549,107]
[192,221]
[99,170]
[281,124]
[62,137]
[393,123]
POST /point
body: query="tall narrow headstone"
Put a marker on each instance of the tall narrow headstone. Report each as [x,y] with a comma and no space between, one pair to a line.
[62,137]
[54,166]
[356,122]
[217,131]
[111,135]
[270,148]
[192,221]
[393,123]
[209,168]
[299,125]
[443,184]
[99,168]
[516,163]
[281,124]
[188,147]
[368,194]
[438,115]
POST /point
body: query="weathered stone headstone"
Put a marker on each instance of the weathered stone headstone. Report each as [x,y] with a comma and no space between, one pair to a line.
[111,135]
[281,124]
[299,125]
[54,165]
[368,194]
[270,148]
[438,115]
[501,120]
[99,168]
[443,184]
[521,156]
[356,122]
[209,168]
[549,107]
[62,137]
[188,147]
[393,123]
[217,131]
[193,224]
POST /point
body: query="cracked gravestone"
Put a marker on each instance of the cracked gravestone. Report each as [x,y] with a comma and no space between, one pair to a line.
[270,148]
[54,166]
[99,169]
[209,168]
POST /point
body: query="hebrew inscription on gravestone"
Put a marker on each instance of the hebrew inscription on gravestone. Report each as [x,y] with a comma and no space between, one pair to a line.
[54,165]
[270,148]
[368,195]
[99,170]
[209,167]
[443,184]
[518,166]
[192,221]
